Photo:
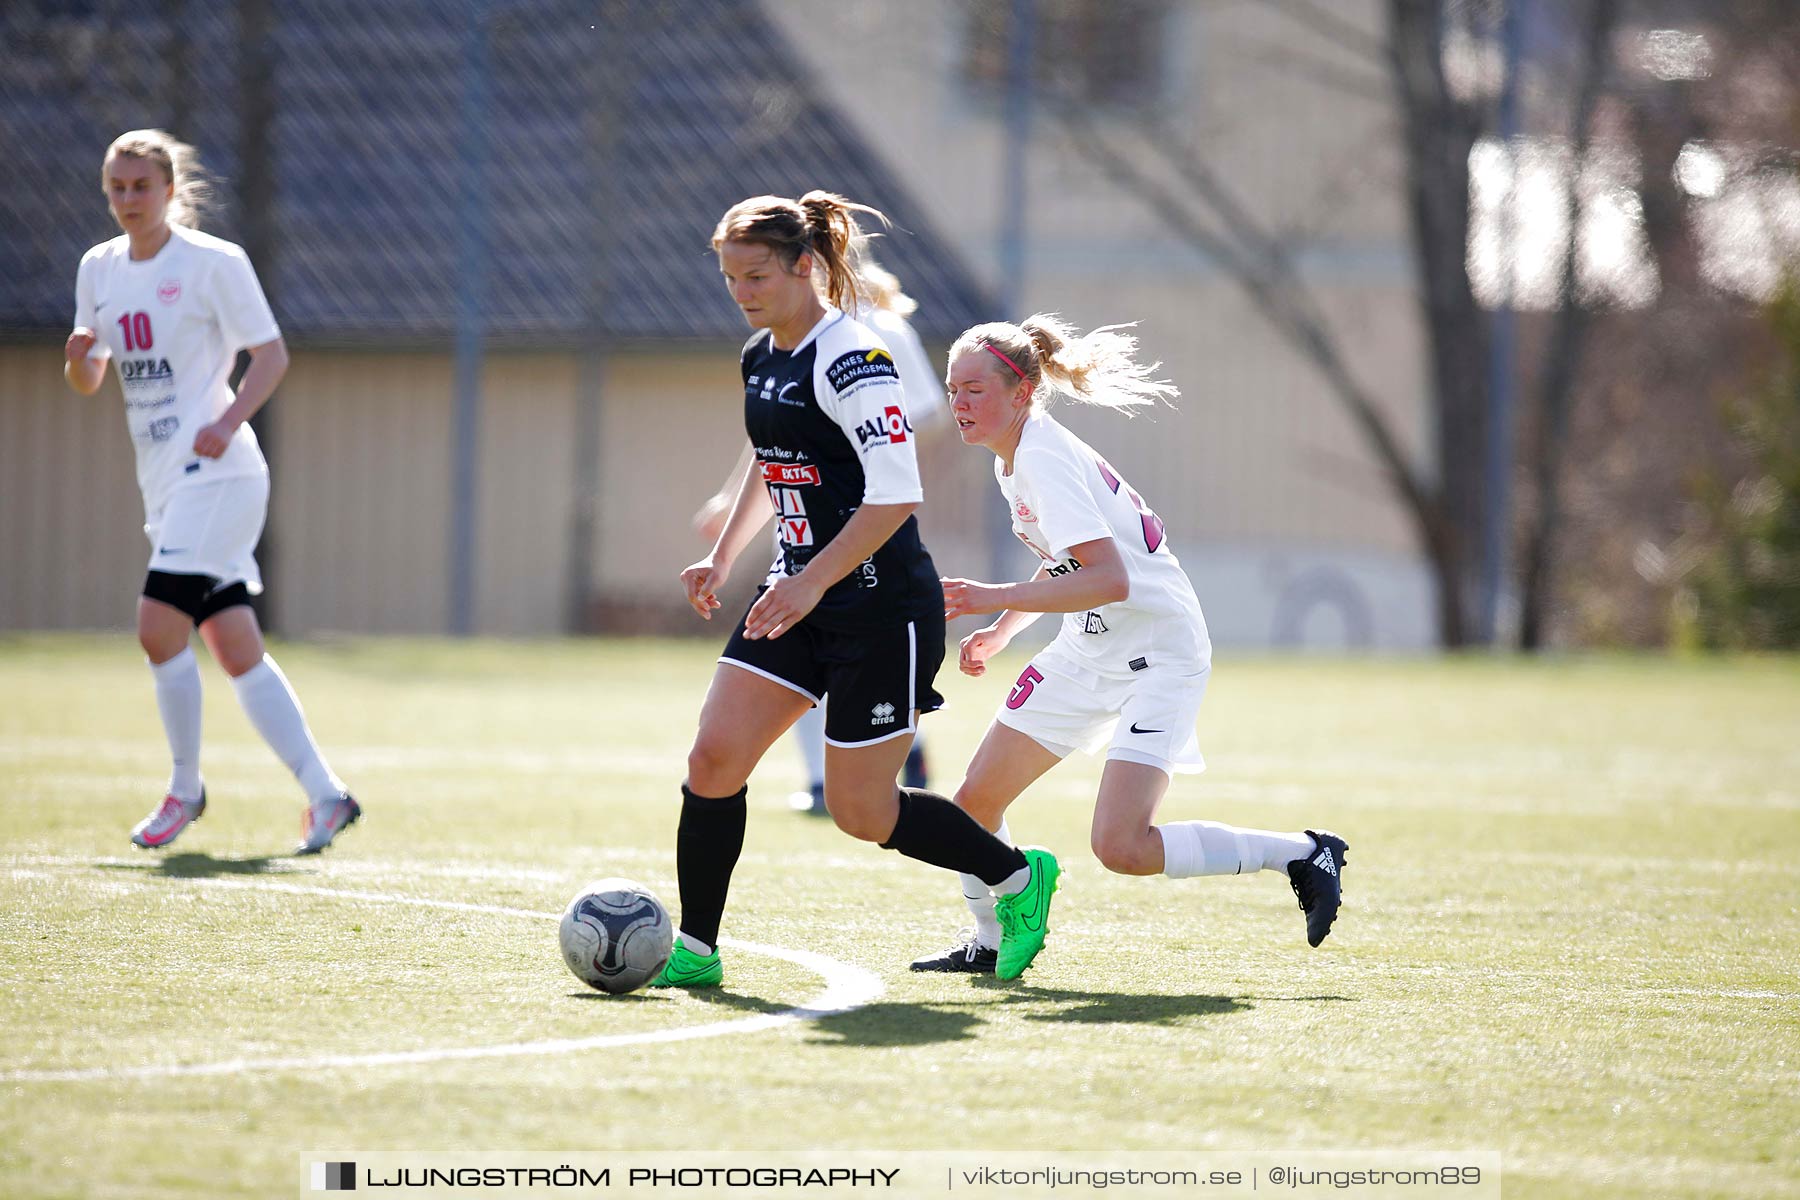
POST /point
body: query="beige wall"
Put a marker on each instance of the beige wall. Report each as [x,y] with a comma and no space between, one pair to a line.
[72,546]
[360,457]
[361,499]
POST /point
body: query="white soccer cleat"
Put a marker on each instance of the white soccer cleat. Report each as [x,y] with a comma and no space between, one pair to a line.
[324,820]
[166,823]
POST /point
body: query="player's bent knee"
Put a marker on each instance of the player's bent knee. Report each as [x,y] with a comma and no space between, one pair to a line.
[980,803]
[860,823]
[715,767]
[867,817]
[161,640]
[1128,854]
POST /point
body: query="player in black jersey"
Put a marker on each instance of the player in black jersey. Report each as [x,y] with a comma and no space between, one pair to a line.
[851,613]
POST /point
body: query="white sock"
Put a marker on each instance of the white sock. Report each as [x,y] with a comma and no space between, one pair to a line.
[273,708]
[178,699]
[1207,848]
[980,899]
[694,944]
[809,735]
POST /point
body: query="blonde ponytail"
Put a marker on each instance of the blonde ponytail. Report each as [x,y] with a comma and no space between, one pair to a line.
[1098,368]
[195,193]
[880,287]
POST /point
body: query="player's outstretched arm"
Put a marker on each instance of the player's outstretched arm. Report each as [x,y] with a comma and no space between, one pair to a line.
[709,519]
[1100,580]
[975,649]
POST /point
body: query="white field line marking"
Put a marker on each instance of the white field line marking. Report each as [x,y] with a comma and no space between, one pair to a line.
[846,987]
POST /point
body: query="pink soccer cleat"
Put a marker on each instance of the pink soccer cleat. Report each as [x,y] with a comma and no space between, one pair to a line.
[325,820]
[166,823]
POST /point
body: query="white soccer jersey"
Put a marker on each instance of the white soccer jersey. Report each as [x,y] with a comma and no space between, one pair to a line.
[1063,494]
[926,401]
[173,325]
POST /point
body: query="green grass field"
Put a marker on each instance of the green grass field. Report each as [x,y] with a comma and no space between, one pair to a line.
[1572,931]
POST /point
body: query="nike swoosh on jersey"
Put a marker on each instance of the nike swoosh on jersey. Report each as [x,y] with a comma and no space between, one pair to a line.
[1135,729]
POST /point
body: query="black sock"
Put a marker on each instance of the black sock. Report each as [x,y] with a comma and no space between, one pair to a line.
[933,830]
[707,844]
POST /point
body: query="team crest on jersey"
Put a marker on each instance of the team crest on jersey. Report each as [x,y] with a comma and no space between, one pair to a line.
[860,366]
[1023,512]
[168,290]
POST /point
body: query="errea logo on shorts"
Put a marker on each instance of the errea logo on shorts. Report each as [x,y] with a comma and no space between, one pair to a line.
[882,714]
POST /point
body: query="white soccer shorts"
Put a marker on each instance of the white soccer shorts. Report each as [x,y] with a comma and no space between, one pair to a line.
[1146,718]
[212,529]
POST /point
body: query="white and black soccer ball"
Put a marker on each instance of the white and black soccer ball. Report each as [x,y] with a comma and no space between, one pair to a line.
[616,935]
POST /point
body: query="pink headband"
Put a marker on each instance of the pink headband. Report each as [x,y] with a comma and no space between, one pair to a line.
[1009,362]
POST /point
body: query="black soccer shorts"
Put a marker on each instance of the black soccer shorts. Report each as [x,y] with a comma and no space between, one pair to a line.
[870,681]
[199,596]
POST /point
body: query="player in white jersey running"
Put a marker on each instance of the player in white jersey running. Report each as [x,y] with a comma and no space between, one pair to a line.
[1128,669]
[884,309]
[171,307]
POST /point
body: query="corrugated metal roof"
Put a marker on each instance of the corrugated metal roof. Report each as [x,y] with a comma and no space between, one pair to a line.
[584,214]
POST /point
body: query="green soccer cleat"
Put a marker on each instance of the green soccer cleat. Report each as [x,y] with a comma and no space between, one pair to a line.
[685,969]
[1025,916]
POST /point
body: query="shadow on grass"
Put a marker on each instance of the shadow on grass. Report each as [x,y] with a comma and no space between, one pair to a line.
[627,998]
[918,1023]
[205,866]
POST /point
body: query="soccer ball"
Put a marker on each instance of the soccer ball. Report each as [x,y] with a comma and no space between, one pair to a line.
[616,935]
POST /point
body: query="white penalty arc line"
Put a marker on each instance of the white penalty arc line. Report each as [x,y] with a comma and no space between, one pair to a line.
[847,987]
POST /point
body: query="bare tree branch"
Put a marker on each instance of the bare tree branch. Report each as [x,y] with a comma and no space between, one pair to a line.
[1331,27]
[1326,74]
[1263,269]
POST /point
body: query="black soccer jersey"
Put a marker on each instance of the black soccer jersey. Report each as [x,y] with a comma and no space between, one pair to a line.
[828,421]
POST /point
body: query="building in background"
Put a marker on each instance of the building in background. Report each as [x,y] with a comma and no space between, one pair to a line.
[615,135]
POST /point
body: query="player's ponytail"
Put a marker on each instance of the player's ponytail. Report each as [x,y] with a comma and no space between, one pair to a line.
[1043,350]
[880,288]
[822,224]
[180,164]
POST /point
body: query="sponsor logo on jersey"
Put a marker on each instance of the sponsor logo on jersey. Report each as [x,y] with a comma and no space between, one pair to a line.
[1023,513]
[1062,568]
[790,475]
[889,429]
[859,366]
[782,397]
[144,370]
[168,290]
[790,507]
[1093,624]
[163,428]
